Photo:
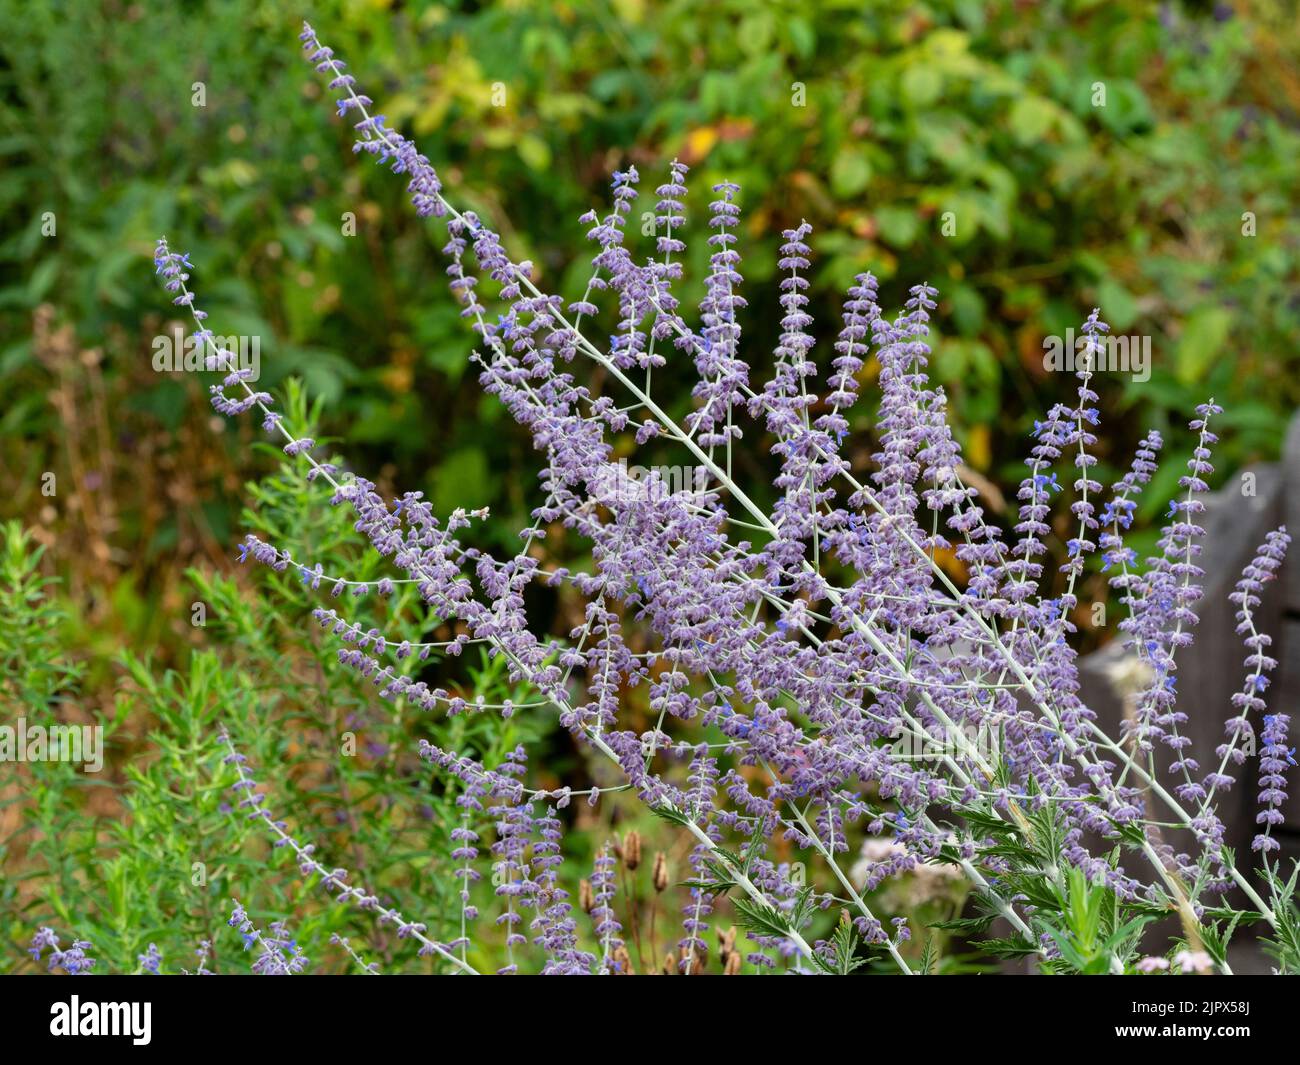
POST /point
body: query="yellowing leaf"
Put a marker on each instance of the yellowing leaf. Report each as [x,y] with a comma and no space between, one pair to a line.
[699,142]
[979,451]
[948,561]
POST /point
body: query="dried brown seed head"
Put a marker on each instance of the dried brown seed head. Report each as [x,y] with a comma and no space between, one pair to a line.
[632,849]
[661,871]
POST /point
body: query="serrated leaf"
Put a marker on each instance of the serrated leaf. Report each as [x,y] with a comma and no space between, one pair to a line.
[761,919]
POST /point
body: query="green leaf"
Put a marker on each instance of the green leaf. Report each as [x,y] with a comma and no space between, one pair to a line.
[671,815]
[850,173]
[1031,119]
[462,480]
[534,151]
[1203,337]
[761,919]
[1118,307]
[898,226]
[921,84]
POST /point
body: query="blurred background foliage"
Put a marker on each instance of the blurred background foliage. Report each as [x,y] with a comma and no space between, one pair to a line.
[909,110]
[872,119]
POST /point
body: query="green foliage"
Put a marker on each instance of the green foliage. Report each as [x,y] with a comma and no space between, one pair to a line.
[1284,945]
[843,957]
[43,818]
[1091,928]
[34,674]
[872,120]
[339,766]
[877,122]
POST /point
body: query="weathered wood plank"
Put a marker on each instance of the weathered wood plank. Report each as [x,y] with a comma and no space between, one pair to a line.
[1211,669]
[1284,697]
[1291,508]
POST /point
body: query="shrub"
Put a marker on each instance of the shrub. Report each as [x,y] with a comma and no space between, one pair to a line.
[792,659]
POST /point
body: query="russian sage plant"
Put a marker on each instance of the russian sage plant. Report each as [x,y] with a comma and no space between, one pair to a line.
[791,658]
